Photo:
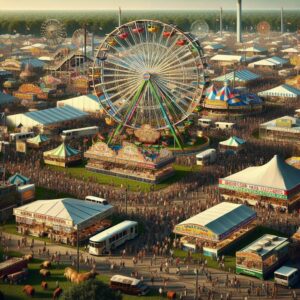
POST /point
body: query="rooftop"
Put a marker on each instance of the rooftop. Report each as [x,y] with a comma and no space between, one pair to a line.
[265,244]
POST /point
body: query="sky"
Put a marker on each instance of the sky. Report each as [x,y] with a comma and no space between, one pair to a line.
[144,4]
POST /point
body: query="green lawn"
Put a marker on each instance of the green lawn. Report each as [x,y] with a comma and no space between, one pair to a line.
[14,292]
[133,185]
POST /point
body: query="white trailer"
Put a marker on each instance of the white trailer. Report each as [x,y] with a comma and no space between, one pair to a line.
[206,157]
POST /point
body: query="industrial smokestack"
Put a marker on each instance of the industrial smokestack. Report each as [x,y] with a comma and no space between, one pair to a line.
[221,21]
[239,21]
[120,15]
[282,26]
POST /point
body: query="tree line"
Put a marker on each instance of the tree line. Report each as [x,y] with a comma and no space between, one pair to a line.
[101,23]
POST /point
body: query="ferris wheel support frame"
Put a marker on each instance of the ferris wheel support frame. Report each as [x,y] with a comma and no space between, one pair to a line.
[134,102]
[172,128]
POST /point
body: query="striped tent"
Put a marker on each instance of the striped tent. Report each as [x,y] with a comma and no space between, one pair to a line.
[233,141]
[239,76]
[211,92]
[225,93]
[18,179]
[62,151]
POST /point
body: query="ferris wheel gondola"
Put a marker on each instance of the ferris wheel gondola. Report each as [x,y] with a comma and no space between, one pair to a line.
[153,73]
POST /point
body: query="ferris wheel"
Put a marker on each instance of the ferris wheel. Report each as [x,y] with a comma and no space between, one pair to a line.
[149,72]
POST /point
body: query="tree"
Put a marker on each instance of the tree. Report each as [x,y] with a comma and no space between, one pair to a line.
[93,290]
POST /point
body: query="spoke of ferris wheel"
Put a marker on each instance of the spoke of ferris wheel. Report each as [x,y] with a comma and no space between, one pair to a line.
[126,59]
[119,64]
[136,62]
[171,59]
[183,90]
[177,83]
[130,95]
[124,91]
[119,85]
[170,51]
[137,57]
[120,71]
[157,54]
[169,96]
[173,64]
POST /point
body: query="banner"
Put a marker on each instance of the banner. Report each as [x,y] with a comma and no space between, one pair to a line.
[21,146]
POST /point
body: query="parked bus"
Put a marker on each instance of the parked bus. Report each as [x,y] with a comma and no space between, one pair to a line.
[128,285]
[96,200]
[11,266]
[286,276]
[80,132]
[205,123]
[113,237]
[206,157]
[20,136]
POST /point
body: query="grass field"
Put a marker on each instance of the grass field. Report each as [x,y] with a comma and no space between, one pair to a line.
[133,185]
[14,292]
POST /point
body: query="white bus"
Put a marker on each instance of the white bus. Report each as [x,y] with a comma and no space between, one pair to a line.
[286,276]
[20,136]
[205,123]
[80,132]
[113,237]
[206,157]
[96,200]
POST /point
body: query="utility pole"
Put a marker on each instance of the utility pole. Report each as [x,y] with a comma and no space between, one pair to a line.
[196,271]
[281,21]
[126,189]
[120,16]
[85,38]
[221,22]
[239,21]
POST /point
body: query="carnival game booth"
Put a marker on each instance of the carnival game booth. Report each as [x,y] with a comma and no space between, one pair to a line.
[281,93]
[62,156]
[232,145]
[38,141]
[59,219]
[263,256]
[216,229]
[282,129]
[131,161]
[226,101]
[275,183]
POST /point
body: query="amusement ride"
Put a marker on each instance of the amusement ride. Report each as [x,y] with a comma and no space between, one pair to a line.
[149,73]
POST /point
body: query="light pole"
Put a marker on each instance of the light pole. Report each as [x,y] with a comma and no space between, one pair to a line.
[126,189]
[3,145]
[77,244]
[196,271]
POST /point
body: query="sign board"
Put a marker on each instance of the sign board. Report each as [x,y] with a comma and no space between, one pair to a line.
[196,230]
[21,146]
[284,123]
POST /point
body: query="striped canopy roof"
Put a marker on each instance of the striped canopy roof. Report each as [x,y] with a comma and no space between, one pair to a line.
[62,151]
[241,76]
[38,139]
[233,141]
[18,179]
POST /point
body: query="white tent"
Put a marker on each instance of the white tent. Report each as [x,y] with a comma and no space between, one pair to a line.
[233,142]
[50,116]
[283,90]
[276,174]
[86,103]
[272,62]
[290,50]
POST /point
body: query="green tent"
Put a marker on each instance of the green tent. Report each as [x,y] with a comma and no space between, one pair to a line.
[62,151]
[18,179]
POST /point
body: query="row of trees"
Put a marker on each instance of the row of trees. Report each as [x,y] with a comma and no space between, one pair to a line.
[104,22]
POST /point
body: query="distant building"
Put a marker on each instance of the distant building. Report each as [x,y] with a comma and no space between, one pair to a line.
[8,200]
[281,129]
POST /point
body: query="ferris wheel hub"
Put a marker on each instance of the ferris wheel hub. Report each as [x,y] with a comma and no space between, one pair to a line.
[146,76]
